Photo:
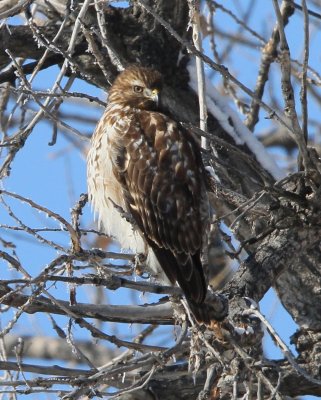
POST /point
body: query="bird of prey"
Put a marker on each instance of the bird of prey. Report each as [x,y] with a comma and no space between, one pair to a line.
[147,183]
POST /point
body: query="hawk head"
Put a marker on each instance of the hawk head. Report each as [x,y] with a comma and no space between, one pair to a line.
[137,87]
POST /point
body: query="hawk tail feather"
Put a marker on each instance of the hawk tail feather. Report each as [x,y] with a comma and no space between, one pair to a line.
[193,283]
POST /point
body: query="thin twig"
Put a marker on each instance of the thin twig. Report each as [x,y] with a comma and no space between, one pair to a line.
[216,67]
[310,12]
[194,6]
[47,111]
[115,58]
[16,9]
[303,92]
[288,93]
[63,94]
[57,217]
[283,347]
[29,230]
[269,54]
[93,48]
[112,283]
[238,21]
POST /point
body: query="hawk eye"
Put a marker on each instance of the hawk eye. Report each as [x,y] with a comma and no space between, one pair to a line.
[138,89]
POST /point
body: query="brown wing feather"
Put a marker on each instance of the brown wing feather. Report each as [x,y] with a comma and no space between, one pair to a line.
[162,177]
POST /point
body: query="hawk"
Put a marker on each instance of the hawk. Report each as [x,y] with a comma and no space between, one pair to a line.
[144,165]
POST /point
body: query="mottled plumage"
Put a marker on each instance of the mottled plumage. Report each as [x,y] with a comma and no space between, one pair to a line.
[150,167]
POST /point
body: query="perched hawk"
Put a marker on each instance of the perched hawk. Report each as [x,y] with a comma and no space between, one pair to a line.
[144,165]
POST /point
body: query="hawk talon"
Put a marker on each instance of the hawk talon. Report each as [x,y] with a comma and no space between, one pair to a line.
[139,265]
[140,259]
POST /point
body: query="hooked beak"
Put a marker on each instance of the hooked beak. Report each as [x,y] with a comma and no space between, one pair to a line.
[153,95]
